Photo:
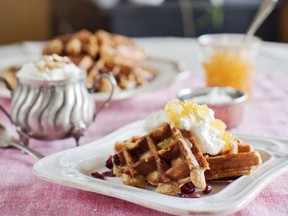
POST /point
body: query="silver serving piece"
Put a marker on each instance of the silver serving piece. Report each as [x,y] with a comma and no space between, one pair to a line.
[52,110]
[230,112]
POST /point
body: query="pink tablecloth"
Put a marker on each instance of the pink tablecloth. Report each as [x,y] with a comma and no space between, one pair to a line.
[22,193]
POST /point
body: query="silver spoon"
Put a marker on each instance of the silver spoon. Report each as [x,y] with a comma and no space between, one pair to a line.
[6,140]
[265,9]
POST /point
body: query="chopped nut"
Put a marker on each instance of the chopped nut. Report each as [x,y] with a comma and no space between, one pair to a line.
[51,62]
[40,65]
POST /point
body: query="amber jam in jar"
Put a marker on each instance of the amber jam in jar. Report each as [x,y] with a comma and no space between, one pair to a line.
[228,60]
[226,68]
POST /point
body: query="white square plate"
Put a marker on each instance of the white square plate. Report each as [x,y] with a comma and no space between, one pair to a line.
[72,168]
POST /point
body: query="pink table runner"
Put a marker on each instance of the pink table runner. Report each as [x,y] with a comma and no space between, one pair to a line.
[22,193]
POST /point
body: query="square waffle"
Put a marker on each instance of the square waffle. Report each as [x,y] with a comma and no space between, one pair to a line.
[168,157]
[232,165]
[165,158]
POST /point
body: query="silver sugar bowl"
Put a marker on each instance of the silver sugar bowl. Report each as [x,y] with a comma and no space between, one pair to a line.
[52,110]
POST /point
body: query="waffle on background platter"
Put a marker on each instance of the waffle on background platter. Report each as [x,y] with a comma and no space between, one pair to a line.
[10,76]
[103,52]
[168,157]
[97,53]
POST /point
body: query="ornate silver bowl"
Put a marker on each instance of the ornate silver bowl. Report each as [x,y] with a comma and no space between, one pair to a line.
[52,110]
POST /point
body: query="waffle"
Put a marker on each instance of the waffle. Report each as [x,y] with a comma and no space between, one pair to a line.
[103,52]
[77,44]
[10,75]
[165,158]
[232,165]
[169,157]
[119,49]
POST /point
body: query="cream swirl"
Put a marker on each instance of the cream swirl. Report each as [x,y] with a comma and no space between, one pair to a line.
[52,67]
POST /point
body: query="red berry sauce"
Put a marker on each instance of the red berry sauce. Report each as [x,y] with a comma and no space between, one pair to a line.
[109,163]
[108,174]
[188,188]
[193,195]
[207,189]
[97,175]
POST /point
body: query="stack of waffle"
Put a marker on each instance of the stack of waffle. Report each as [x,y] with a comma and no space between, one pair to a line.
[103,52]
[168,157]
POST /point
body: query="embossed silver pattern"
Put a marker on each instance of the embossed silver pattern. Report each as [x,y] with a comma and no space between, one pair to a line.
[51,110]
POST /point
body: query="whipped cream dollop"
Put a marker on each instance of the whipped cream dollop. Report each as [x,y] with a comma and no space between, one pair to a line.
[198,119]
[155,120]
[52,67]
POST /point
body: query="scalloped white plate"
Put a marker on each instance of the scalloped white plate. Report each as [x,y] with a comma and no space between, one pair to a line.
[72,168]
